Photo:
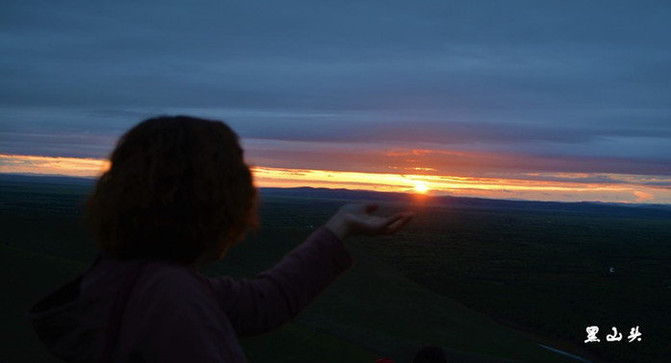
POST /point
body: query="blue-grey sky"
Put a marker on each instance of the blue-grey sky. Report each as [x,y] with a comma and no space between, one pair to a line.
[570,86]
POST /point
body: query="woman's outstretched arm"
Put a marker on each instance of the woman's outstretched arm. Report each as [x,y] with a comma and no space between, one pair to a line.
[256,306]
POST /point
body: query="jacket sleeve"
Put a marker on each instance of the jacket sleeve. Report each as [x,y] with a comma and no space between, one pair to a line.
[256,306]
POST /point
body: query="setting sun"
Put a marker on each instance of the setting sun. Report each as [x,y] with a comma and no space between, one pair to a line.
[421,187]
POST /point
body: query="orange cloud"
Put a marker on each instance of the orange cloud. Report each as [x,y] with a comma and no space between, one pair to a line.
[643,196]
[52,165]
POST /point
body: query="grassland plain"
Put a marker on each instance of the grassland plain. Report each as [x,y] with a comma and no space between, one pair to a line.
[549,272]
[542,271]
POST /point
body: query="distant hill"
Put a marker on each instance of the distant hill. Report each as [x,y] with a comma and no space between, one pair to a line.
[46,179]
[479,203]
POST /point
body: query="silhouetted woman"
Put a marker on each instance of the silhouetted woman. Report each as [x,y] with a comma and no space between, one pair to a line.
[178,194]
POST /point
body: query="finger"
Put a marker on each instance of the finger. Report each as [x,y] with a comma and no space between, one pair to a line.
[375,225]
[371,207]
[397,225]
[391,219]
[398,216]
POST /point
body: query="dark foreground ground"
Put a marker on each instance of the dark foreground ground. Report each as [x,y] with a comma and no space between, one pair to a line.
[486,280]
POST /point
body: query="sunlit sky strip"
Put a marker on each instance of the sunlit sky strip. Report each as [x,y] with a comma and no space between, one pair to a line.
[383,182]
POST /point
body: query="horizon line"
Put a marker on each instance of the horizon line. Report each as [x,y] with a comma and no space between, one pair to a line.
[610,188]
[404,193]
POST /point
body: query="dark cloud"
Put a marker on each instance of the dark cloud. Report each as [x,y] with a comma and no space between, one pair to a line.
[576,81]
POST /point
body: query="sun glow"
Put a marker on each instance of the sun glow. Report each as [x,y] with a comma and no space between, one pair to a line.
[421,187]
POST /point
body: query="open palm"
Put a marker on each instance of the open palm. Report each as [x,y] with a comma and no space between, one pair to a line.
[358,219]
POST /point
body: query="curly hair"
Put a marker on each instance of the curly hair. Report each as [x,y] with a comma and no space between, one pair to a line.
[177,188]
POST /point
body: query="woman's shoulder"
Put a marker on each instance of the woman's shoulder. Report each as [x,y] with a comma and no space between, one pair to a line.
[155,281]
[172,280]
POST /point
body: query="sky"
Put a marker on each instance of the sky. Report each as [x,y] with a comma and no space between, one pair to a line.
[567,101]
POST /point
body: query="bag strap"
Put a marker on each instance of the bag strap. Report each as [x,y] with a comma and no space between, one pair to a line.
[117,310]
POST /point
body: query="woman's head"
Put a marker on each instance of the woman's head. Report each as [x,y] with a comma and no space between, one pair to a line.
[177,189]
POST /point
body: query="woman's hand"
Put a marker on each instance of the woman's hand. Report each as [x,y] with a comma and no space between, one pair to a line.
[358,219]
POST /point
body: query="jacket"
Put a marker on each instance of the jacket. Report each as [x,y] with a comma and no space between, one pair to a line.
[173,313]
